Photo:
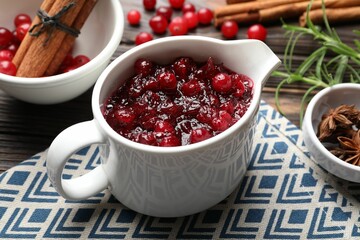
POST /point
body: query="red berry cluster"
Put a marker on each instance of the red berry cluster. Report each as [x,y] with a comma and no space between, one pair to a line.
[11,40]
[163,19]
[178,104]
[229,29]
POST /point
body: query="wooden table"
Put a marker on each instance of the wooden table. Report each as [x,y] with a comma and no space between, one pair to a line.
[26,129]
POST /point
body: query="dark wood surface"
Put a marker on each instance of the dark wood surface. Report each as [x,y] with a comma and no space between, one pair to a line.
[26,129]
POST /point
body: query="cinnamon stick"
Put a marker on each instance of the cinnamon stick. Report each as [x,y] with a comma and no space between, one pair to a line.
[253,6]
[39,55]
[26,42]
[273,13]
[297,9]
[69,39]
[237,1]
[338,15]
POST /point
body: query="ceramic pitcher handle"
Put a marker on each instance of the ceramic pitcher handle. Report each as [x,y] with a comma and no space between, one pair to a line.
[64,145]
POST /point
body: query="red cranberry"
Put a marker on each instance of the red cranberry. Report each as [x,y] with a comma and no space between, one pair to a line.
[147,138]
[257,31]
[143,37]
[5,37]
[205,16]
[21,30]
[167,81]
[191,19]
[143,67]
[169,141]
[124,117]
[165,11]
[170,109]
[133,17]
[178,26]
[164,128]
[191,88]
[15,39]
[229,29]
[199,134]
[177,4]
[209,67]
[222,122]
[239,89]
[228,106]
[182,66]
[22,18]
[158,24]
[7,67]
[6,55]
[13,47]
[80,60]
[151,84]
[221,82]
[188,7]
[206,114]
[149,4]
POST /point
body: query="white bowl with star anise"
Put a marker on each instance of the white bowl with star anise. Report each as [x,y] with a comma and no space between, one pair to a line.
[331,130]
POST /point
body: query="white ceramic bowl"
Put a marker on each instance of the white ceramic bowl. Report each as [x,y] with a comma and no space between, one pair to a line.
[99,38]
[332,97]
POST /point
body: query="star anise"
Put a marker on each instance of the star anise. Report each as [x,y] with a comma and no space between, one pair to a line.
[351,149]
[341,116]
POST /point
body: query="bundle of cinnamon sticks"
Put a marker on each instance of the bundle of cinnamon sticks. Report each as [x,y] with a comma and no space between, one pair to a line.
[41,54]
[265,11]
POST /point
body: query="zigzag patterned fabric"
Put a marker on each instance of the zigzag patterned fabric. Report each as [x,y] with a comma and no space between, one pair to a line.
[284,195]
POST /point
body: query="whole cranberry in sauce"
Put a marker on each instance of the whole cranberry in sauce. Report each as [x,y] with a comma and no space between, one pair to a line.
[180,103]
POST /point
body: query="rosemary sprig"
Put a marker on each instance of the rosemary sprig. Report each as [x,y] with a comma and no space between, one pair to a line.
[314,70]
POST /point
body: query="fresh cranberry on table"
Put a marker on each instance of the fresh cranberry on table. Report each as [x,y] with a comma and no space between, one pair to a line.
[143,37]
[180,103]
[178,26]
[165,11]
[191,19]
[188,7]
[149,4]
[205,16]
[257,31]
[229,29]
[158,24]
[177,4]
[133,17]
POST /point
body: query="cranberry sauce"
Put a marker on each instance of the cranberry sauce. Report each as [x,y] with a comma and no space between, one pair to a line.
[178,104]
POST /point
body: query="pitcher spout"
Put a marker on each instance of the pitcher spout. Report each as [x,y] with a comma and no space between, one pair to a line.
[253,58]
